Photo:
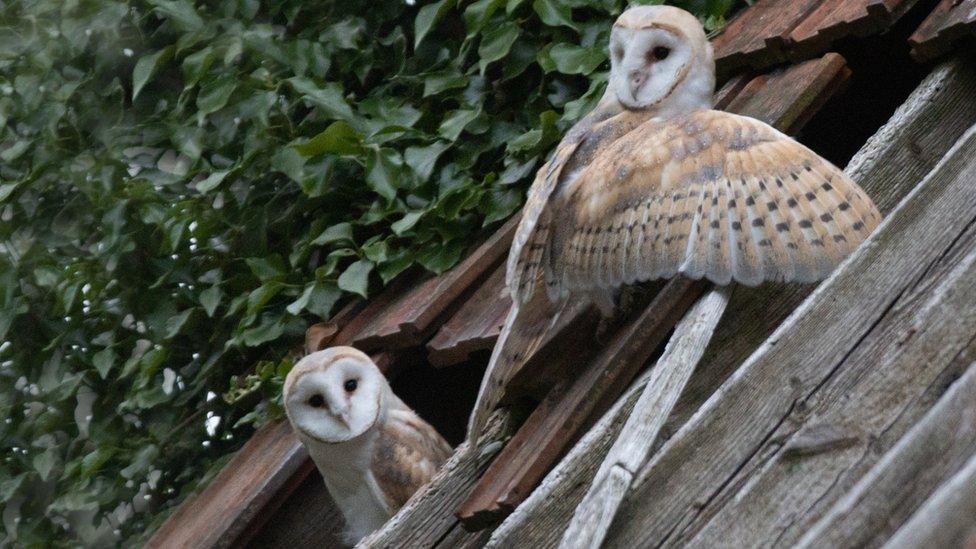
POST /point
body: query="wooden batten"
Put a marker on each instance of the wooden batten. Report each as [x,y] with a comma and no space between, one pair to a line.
[952,21]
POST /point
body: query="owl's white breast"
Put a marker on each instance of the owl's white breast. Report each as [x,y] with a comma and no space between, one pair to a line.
[345,467]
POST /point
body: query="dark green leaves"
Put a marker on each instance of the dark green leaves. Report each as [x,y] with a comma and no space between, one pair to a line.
[147,67]
[186,186]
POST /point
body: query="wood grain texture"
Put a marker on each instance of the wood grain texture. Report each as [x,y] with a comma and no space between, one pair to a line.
[834,19]
[759,35]
[948,518]
[948,24]
[238,494]
[308,517]
[668,379]
[888,166]
[554,425]
[426,520]
[699,470]
[409,318]
[476,324]
[931,452]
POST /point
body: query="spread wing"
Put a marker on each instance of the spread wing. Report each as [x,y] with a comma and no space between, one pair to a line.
[408,453]
[709,194]
[525,256]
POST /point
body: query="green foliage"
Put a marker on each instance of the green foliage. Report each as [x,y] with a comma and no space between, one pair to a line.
[185,186]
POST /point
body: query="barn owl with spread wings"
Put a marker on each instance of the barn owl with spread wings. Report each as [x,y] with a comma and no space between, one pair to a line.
[373,451]
[654,183]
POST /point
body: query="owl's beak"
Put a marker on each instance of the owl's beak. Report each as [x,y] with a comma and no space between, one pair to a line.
[636,79]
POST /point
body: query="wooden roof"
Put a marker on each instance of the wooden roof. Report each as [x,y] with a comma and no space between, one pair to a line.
[817,404]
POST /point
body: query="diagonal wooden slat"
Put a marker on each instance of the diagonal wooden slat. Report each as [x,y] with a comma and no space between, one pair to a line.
[759,36]
[272,464]
[931,120]
[835,19]
[804,368]
[948,24]
[782,99]
[932,451]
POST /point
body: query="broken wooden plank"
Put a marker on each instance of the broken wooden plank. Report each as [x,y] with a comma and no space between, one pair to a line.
[788,98]
[554,424]
[948,519]
[949,23]
[835,19]
[698,470]
[426,520]
[475,326]
[410,317]
[932,451]
[888,165]
[758,37]
[668,379]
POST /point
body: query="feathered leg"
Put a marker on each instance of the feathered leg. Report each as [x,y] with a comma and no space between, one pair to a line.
[526,328]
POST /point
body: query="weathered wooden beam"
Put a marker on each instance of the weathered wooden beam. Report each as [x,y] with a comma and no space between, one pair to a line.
[555,423]
[835,19]
[888,165]
[758,37]
[949,23]
[668,380]
[409,319]
[841,337]
[932,451]
[948,518]
[475,326]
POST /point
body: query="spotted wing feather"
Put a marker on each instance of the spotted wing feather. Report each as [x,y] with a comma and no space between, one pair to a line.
[408,453]
[709,194]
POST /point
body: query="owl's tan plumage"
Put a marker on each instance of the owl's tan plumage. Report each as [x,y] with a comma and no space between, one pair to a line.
[373,451]
[654,183]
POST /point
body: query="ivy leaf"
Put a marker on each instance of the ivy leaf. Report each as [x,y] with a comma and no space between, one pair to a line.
[196,65]
[338,138]
[571,59]
[269,330]
[180,12]
[328,98]
[175,324]
[496,43]
[477,14]
[454,124]
[340,232]
[103,361]
[215,94]
[45,462]
[554,13]
[383,172]
[147,67]
[406,223]
[212,181]
[423,159]
[427,17]
[355,278]
[210,299]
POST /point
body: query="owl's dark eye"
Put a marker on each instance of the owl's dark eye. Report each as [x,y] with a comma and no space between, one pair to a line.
[316,401]
[660,53]
[350,385]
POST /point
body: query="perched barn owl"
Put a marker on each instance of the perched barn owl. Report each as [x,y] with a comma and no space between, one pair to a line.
[654,183]
[373,451]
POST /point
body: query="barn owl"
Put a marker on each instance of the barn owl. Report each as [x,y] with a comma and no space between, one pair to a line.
[654,183]
[373,451]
